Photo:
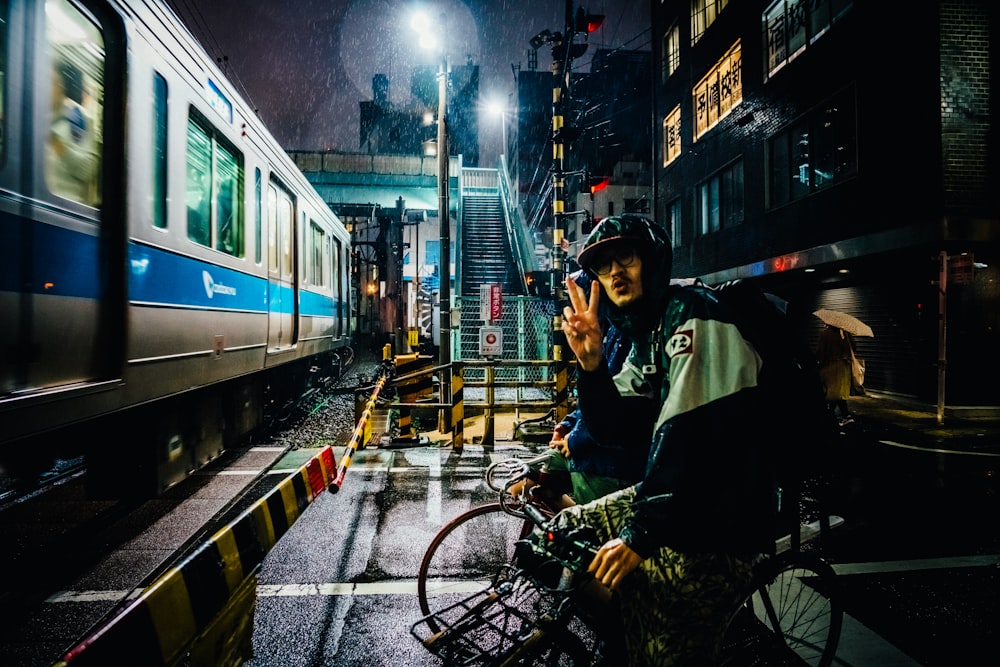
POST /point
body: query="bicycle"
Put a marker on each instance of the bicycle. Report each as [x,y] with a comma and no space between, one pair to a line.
[524,616]
[789,613]
[467,552]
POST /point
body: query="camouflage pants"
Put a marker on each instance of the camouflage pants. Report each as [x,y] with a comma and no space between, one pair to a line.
[674,606]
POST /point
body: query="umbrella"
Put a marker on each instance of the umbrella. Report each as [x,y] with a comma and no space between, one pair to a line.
[848,323]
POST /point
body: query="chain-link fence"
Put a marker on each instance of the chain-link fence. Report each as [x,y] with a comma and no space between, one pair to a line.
[526,323]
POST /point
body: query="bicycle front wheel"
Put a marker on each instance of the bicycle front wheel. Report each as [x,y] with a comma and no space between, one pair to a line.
[466,555]
[792,617]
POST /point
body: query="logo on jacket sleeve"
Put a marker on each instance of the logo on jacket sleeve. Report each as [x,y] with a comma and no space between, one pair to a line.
[680,343]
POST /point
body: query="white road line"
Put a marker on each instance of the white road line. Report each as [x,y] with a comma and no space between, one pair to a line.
[409,586]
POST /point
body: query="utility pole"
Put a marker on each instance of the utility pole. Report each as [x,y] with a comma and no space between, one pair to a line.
[564,50]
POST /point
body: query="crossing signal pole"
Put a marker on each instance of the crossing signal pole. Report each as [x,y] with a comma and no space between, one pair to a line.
[565,48]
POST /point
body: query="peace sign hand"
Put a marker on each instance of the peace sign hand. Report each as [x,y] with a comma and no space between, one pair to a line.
[581,325]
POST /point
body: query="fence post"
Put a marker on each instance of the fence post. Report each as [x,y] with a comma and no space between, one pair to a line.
[457,406]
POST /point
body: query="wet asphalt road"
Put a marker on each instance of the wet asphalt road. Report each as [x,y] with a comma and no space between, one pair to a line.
[917,557]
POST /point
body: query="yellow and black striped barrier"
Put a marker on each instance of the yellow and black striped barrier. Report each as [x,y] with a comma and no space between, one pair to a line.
[357,438]
[457,407]
[201,611]
[414,382]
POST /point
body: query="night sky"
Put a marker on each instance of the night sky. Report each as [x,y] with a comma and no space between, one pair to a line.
[306,64]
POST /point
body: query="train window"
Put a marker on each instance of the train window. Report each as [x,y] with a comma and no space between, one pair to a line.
[228,204]
[286,217]
[158,192]
[198,193]
[258,186]
[213,191]
[272,229]
[76,59]
[280,219]
[318,253]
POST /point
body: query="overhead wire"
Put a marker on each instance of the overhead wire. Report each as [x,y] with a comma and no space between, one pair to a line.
[198,27]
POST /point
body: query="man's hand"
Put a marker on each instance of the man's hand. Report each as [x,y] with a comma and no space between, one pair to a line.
[581,325]
[559,443]
[613,562]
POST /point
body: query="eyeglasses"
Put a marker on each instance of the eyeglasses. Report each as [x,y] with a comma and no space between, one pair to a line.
[624,257]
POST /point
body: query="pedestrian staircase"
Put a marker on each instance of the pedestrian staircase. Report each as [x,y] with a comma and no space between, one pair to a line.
[487,256]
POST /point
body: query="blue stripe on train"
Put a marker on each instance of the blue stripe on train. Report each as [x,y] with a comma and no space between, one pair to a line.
[160,277]
[63,262]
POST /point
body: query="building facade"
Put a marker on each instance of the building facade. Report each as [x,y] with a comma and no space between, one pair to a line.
[842,154]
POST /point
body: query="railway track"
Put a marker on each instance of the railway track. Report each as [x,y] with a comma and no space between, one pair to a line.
[56,532]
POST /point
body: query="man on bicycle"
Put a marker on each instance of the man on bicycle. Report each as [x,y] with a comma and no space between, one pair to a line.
[678,546]
[579,465]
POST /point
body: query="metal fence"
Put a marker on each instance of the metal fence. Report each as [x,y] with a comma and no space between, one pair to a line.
[526,325]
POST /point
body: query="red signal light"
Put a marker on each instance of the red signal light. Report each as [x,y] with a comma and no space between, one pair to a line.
[587,23]
[599,184]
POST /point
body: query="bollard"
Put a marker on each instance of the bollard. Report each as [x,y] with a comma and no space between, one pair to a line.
[457,411]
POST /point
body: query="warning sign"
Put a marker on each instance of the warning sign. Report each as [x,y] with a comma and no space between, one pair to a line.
[490,341]
[490,302]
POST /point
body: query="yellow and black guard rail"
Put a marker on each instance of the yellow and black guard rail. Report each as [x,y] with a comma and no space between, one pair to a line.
[200,612]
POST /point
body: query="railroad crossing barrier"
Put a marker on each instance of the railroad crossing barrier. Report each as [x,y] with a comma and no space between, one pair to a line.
[200,613]
[454,410]
[414,383]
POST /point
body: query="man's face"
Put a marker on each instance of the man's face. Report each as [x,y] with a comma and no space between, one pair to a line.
[619,269]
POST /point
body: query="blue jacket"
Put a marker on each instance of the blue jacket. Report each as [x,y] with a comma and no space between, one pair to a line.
[621,458]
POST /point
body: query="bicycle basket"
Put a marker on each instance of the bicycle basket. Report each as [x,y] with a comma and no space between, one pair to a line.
[491,624]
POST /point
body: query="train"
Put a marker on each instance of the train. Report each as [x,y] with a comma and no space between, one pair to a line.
[166,270]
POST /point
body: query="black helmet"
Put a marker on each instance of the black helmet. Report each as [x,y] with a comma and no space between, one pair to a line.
[649,239]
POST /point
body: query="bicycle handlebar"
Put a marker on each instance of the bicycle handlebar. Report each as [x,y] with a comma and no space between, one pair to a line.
[574,548]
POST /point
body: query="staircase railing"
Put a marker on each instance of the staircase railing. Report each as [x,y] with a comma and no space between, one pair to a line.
[517,229]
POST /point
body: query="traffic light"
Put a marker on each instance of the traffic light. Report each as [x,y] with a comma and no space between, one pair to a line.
[598,183]
[587,23]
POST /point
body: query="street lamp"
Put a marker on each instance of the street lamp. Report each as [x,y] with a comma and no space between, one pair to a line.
[503,112]
[429,40]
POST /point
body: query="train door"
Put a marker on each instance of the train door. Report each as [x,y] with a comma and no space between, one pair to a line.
[57,279]
[281,302]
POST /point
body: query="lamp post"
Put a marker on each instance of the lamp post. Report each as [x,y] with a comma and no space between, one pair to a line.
[503,111]
[428,40]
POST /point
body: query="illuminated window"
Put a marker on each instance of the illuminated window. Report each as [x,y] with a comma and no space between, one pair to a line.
[672,136]
[719,92]
[703,14]
[671,52]
[791,25]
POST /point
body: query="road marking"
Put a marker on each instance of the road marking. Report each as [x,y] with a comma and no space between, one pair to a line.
[957,452]
[409,586]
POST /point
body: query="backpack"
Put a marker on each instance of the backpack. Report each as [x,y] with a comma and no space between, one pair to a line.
[804,427]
